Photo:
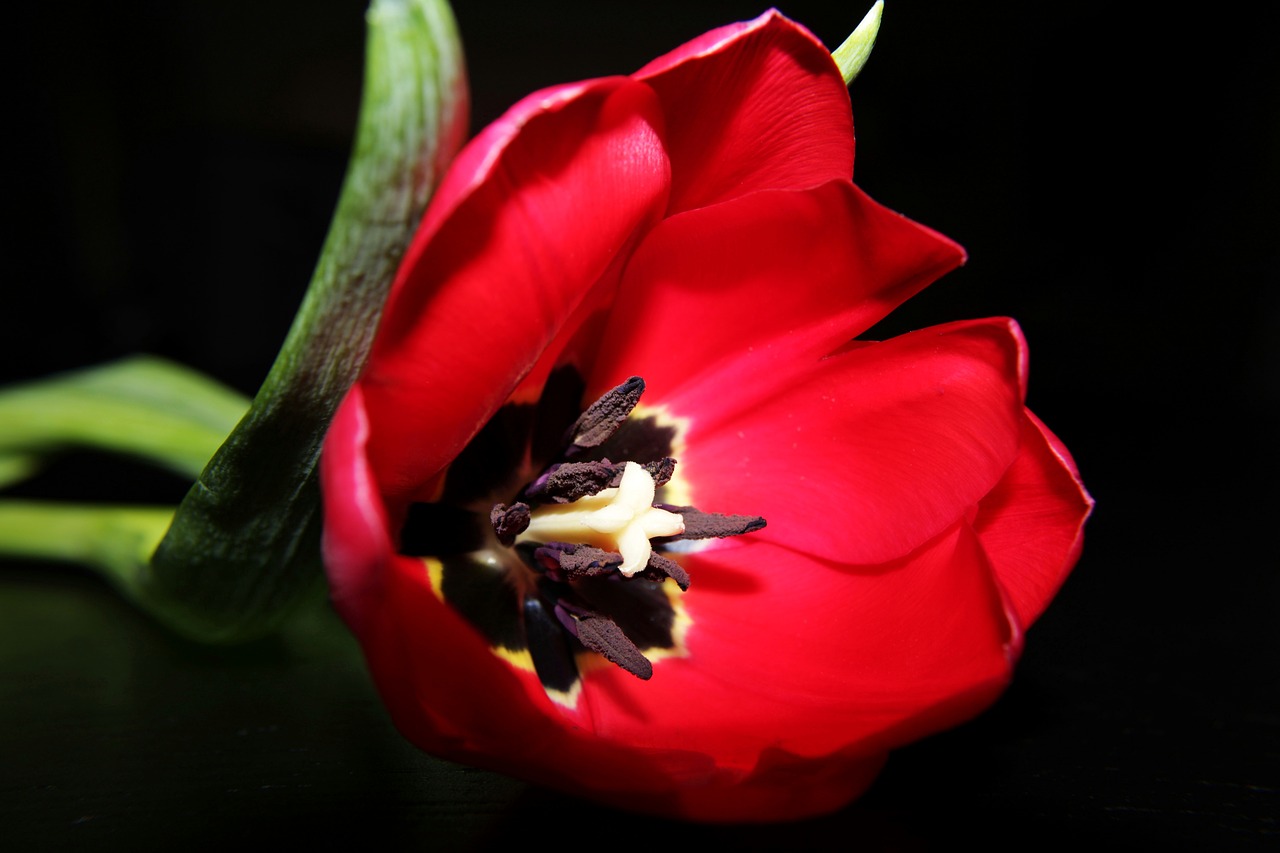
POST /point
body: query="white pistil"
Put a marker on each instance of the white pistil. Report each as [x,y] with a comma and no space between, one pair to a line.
[622,520]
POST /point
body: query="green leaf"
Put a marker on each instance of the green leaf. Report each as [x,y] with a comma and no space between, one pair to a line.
[114,540]
[16,467]
[146,407]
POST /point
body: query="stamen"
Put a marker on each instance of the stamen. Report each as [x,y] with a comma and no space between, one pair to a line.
[661,471]
[660,567]
[604,636]
[569,481]
[509,521]
[601,634]
[604,416]
[575,561]
[713,525]
[622,519]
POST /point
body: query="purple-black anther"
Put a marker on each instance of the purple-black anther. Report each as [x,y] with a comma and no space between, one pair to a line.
[603,417]
[510,521]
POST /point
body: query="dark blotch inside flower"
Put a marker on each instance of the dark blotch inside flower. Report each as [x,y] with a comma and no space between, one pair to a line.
[537,540]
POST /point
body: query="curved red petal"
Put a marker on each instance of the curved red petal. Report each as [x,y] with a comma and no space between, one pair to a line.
[474,164]
[773,276]
[494,280]
[796,654]
[755,106]
[1032,523]
[865,455]
[355,523]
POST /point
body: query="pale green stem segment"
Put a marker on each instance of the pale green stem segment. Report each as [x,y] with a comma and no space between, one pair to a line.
[243,548]
[113,540]
[855,51]
[147,407]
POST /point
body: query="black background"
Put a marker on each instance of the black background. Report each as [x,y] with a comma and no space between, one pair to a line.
[1112,170]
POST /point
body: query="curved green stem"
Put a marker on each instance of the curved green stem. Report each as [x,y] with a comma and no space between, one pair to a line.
[244,545]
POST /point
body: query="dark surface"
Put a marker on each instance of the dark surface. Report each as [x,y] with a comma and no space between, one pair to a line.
[1114,180]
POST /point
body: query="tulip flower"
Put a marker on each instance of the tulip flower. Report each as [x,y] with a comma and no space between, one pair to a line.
[623,505]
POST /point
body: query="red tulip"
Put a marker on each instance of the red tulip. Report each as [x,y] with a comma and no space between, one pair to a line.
[695,225]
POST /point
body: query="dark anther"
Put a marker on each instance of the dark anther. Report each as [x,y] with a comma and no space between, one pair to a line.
[575,561]
[604,416]
[660,567]
[509,521]
[569,481]
[599,633]
[660,471]
[712,525]
[604,636]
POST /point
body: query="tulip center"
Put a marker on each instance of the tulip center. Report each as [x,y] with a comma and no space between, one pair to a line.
[622,520]
[576,563]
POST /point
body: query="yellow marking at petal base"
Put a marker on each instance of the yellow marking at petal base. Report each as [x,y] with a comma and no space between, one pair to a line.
[521,659]
[517,658]
[680,623]
[568,700]
[676,492]
[435,572]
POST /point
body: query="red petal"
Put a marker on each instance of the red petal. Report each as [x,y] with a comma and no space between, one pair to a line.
[1032,523]
[750,107]
[774,276]
[451,696]
[791,653]
[492,280]
[355,523]
[863,456]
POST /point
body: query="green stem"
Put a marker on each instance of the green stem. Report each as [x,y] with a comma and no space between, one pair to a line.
[244,545]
